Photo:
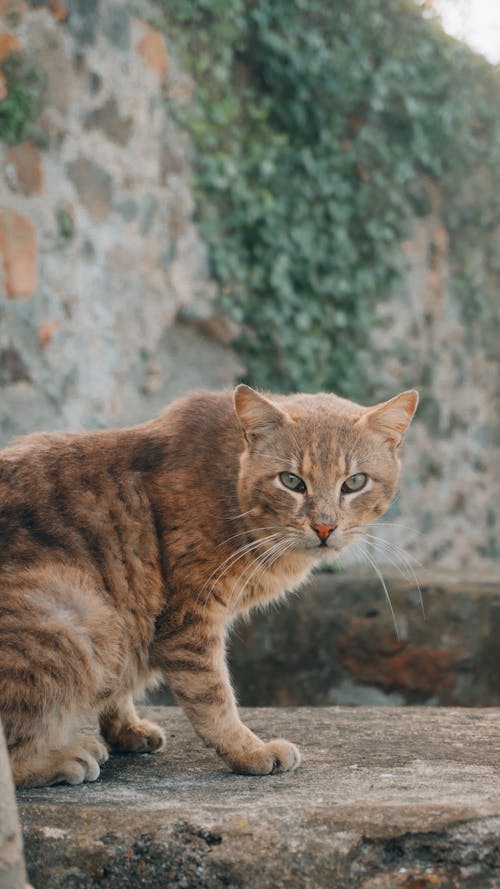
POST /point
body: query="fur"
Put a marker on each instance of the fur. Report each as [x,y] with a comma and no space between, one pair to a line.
[126,555]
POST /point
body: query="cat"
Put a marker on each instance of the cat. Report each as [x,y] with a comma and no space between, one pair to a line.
[126,555]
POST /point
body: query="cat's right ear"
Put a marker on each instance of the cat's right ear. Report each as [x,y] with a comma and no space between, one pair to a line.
[256,414]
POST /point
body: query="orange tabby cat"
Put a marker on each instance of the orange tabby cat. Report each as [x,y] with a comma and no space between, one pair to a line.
[125,556]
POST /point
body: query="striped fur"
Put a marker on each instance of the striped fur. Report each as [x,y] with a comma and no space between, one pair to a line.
[126,555]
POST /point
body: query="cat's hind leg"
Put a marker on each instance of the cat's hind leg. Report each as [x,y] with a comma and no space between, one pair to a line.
[126,732]
[57,657]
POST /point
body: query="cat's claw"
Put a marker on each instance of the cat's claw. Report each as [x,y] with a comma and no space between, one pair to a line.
[286,755]
[275,756]
[142,736]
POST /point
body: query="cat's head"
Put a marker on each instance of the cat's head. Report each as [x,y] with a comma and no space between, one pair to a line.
[316,469]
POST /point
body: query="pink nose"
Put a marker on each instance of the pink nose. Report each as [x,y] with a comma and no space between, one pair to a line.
[323,531]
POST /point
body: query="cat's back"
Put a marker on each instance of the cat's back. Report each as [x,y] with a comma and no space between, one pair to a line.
[88,498]
[191,422]
[36,467]
[68,498]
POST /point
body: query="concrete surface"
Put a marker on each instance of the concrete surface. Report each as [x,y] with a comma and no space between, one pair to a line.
[387,798]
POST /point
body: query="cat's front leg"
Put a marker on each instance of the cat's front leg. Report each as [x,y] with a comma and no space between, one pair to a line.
[196,671]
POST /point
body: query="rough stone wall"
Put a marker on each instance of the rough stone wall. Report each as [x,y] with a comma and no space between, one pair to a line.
[336,643]
[448,511]
[106,309]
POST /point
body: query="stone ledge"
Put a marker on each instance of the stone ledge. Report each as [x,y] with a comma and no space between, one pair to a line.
[386,798]
[334,645]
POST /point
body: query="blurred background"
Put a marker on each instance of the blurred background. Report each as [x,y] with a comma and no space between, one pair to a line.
[301,194]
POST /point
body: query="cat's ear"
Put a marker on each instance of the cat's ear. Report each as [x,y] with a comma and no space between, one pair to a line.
[256,414]
[392,418]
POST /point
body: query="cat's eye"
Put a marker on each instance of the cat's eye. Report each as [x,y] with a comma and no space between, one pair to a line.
[293,482]
[354,483]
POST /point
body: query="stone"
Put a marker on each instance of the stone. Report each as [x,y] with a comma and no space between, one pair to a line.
[18,246]
[336,643]
[24,162]
[47,331]
[108,119]
[376,657]
[185,357]
[59,10]
[117,27]
[12,11]
[148,212]
[154,52]
[9,43]
[427,335]
[182,90]
[93,185]
[104,124]
[13,368]
[47,46]
[173,156]
[95,82]
[384,798]
[127,208]
[83,20]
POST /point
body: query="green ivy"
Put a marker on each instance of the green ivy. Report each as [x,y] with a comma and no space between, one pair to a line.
[317,126]
[23,102]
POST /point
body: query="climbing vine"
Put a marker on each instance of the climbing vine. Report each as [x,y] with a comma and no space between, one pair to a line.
[317,126]
[22,104]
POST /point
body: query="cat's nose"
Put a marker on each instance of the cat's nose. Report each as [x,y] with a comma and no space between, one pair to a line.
[323,531]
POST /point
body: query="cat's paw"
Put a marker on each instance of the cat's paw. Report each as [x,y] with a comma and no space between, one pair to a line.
[94,746]
[142,736]
[76,762]
[276,756]
[79,761]
[83,767]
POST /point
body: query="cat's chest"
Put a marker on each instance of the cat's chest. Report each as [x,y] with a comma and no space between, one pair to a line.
[257,584]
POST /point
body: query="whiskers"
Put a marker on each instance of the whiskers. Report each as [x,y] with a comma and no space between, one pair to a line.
[227,564]
[240,515]
[277,458]
[396,556]
[260,563]
[386,591]
[248,532]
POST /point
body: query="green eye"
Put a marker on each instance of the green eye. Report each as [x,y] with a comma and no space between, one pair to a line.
[293,482]
[354,483]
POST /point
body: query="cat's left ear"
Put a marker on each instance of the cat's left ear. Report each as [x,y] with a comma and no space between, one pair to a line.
[392,418]
[257,414]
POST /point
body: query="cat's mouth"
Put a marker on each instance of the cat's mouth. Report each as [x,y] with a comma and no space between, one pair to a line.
[322,546]
[334,546]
